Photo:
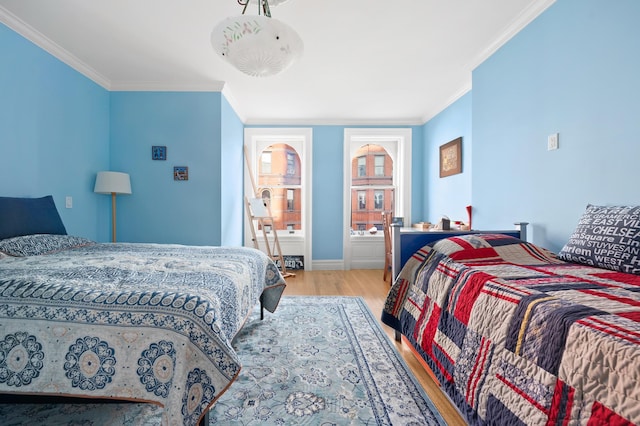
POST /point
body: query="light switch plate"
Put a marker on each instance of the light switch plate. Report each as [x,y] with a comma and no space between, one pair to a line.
[552,141]
[68,202]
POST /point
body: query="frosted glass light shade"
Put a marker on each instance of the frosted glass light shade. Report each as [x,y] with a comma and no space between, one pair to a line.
[257,45]
[112,182]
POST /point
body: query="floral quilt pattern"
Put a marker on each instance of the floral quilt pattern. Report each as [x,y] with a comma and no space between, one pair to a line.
[145,322]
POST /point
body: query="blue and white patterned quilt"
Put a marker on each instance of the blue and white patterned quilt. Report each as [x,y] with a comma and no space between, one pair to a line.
[148,322]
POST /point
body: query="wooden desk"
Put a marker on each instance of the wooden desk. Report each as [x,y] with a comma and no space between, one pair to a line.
[406,241]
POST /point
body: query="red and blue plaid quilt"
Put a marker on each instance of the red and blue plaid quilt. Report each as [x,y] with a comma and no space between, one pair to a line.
[517,336]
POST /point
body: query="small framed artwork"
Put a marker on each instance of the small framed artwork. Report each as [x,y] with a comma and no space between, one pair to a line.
[180,173]
[158,152]
[451,158]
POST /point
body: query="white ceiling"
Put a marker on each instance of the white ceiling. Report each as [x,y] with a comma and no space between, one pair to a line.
[365,62]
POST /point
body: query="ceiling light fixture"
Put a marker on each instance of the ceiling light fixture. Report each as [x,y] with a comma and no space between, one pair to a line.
[257,45]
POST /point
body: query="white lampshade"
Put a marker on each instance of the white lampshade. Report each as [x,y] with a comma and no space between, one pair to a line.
[112,182]
[257,45]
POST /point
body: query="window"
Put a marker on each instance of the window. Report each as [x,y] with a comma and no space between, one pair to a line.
[374,189]
[378,199]
[291,163]
[379,165]
[281,185]
[377,162]
[265,162]
[362,166]
[279,165]
[362,200]
[290,203]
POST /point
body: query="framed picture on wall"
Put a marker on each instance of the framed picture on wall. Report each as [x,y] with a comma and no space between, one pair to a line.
[158,152]
[451,158]
[180,173]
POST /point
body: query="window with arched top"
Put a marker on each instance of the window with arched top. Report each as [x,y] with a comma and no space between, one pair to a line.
[279,166]
[372,185]
[279,179]
[377,179]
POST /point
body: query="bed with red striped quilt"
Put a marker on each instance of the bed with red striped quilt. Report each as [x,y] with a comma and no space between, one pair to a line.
[517,336]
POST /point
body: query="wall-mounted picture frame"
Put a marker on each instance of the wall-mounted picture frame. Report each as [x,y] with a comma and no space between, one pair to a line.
[158,152]
[451,158]
[181,173]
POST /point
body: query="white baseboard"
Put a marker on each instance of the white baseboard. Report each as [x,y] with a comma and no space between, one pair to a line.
[367,264]
[328,265]
[338,264]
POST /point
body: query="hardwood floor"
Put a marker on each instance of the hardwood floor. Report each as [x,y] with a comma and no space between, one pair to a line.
[369,285]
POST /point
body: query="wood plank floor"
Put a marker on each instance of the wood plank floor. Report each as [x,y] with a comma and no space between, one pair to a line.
[368,284]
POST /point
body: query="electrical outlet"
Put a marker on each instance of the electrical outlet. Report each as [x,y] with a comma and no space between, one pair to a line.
[552,142]
[68,202]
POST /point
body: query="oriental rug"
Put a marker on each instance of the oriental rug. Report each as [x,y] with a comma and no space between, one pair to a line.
[315,361]
[321,361]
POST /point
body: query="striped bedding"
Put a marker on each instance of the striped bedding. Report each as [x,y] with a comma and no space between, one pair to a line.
[516,336]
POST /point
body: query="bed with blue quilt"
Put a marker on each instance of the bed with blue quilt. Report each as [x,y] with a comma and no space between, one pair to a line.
[122,321]
[518,335]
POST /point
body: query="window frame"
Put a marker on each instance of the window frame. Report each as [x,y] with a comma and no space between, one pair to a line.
[257,139]
[397,141]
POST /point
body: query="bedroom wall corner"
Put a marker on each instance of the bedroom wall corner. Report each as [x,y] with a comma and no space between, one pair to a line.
[231,176]
[448,195]
[55,133]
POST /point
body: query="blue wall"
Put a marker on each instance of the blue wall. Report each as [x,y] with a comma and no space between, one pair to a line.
[54,133]
[449,195]
[327,184]
[574,70]
[231,177]
[161,209]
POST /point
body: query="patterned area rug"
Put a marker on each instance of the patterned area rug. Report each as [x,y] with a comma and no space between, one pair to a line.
[315,361]
[321,361]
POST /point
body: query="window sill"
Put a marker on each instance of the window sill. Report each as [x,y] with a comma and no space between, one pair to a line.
[367,236]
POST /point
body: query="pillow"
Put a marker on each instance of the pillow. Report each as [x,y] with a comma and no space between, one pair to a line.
[606,237]
[26,216]
[33,245]
[468,248]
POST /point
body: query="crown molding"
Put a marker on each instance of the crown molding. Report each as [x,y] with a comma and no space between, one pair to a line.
[525,18]
[57,51]
[163,86]
[334,122]
[235,105]
[40,40]
[457,95]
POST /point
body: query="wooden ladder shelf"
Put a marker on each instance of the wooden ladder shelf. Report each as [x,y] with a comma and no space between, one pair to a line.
[259,212]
